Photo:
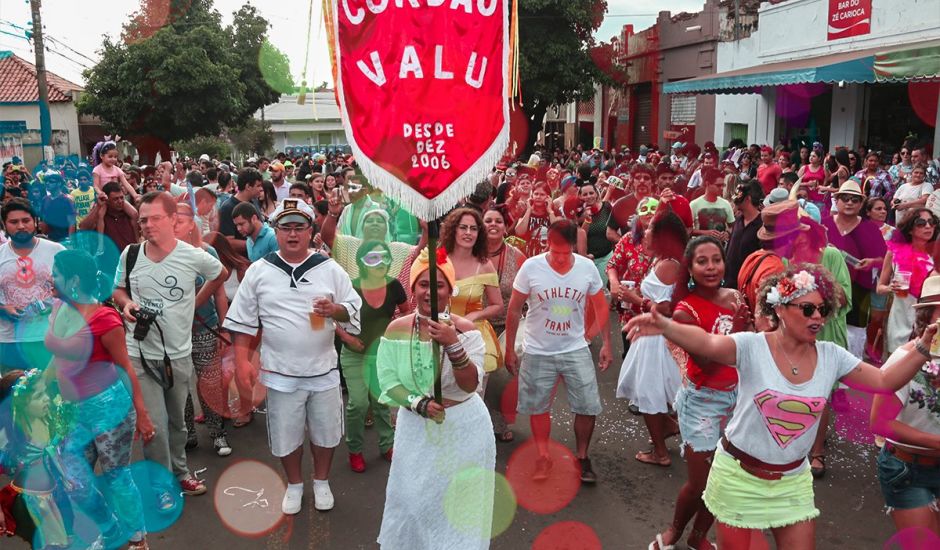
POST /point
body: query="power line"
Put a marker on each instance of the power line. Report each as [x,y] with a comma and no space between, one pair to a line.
[47,36]
[69,48]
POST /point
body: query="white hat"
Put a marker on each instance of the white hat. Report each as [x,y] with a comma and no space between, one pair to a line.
[292,211]
[778,194]
[204,157]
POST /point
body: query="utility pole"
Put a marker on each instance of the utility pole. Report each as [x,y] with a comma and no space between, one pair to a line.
[45,122]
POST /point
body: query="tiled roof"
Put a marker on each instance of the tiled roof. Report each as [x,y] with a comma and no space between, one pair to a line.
[18,82]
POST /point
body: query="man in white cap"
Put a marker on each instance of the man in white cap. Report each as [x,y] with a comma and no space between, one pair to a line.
[297,295]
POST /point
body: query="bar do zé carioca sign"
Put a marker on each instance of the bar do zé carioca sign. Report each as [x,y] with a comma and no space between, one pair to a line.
[423,90]
[849,18]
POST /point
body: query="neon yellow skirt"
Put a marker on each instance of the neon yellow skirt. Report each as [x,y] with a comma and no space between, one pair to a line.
[739,499]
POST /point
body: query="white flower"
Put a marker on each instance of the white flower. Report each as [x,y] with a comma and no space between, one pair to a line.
[773,296]
[804,281]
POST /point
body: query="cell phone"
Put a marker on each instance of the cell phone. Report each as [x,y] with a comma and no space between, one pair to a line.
[851,260]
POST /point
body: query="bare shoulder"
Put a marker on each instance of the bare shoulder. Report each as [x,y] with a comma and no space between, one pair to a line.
[399,326]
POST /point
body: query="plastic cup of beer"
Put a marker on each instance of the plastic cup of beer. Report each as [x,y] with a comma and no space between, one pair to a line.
[317,321]
[935,345]
[903,279]
[630,285]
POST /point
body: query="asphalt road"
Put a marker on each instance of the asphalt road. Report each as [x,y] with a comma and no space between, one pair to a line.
[628,506]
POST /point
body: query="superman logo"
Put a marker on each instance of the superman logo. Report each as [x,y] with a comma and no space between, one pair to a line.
[787,417]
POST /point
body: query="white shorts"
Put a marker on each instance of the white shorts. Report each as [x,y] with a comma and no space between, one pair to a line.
[290,415]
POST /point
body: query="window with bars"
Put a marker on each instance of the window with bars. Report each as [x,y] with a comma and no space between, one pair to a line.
[682,109]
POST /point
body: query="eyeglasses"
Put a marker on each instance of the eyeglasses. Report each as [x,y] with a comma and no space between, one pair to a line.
[851,199]
[809,309]
[904,153]
[151,219]
[375,259]
[293,228]
[921,222]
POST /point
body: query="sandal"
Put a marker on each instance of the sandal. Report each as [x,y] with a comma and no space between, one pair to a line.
[139,545]
[243,421]
[505,437]
[658,544]
[649,457]
[818,472]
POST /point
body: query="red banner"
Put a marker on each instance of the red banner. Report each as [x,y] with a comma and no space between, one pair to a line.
[849,18]
[423,88]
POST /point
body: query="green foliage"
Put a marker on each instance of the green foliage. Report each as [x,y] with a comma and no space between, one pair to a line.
[178,73]
[252,137]
[555,65]
[214,146]
[275,69]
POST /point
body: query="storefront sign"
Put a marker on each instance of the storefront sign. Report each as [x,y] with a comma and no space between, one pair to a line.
[10,147]
[849,18]
[423,90]
[12,126]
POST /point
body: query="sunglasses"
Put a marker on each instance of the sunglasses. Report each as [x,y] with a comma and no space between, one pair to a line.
[921,222]
[809,309]
[850,198]
[375,259]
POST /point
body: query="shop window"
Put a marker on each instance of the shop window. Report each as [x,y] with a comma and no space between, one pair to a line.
[735,131]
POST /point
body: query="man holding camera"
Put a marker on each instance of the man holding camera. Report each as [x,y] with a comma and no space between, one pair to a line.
[156,290]
[297,295]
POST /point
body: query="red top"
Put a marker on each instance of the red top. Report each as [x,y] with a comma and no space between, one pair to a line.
[769,176]
[716,320]
[84,367]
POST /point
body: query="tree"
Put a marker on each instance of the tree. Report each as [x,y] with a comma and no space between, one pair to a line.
[264,69]
[555,65]
[176,75]
[214,146]
[253,136]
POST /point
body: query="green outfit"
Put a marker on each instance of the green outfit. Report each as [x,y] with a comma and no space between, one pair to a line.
[359,371]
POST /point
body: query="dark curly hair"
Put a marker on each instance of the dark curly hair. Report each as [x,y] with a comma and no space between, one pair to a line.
[449,233]
[832,294]
[669,234]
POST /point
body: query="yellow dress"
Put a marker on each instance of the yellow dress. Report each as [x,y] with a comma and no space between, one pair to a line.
[470,291]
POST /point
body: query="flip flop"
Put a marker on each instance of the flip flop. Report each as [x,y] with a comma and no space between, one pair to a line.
[505,437]
[243,421]
[651,459]
[659,541]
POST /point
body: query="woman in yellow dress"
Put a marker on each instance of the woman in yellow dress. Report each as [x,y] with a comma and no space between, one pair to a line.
[476,297]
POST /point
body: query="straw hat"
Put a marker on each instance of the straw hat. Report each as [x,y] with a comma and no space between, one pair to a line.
[930,292]
[780,219]
[850,188]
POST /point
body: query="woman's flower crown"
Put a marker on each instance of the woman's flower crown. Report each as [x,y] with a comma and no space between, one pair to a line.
[789,289]
[23,381]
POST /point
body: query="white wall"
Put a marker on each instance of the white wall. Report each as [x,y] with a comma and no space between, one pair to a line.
[798,29]
[62,115]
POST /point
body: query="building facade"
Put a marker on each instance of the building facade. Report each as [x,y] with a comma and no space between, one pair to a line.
[313,126]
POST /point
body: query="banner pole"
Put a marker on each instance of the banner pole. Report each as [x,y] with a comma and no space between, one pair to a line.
[433,234]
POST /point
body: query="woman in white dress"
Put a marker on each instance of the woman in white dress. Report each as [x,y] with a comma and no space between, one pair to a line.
[650,375]
[441,483]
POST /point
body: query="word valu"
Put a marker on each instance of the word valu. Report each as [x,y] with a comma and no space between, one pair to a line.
[410,67]
[486,8]
[430,142]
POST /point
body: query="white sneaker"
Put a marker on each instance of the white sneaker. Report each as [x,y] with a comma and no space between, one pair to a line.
[322,496]
[293,499]
[221,446]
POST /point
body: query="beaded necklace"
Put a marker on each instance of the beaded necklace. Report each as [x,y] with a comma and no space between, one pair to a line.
[415,353]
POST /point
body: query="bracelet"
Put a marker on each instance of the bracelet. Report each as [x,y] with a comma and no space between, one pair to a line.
[922,349]
[461,365]
[453,348]
[413,401]
[457,355]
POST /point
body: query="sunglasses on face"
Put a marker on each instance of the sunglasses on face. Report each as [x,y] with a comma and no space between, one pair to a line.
[922,222]
[809,309]
[375,259]
[851,199]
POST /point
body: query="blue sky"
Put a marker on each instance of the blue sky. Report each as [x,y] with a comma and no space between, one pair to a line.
[78,33]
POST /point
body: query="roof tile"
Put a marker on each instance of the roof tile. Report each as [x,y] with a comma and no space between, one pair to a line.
[18,82]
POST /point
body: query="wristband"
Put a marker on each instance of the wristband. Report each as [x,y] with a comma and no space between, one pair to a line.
[922,349]
[413,401]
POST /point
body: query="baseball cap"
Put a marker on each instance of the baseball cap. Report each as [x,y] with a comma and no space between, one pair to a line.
[292,211]
[288,164]
[276,166]
[204,157]
[779,194]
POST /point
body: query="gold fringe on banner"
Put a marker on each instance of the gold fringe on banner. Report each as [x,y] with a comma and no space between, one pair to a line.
[302,97]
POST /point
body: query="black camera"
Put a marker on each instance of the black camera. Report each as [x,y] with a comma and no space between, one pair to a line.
[145,318]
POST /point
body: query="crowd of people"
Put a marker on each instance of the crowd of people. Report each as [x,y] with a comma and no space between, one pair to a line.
[750,286]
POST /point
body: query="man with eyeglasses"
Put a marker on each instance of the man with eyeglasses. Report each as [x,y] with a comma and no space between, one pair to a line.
[155,288]
[298,295]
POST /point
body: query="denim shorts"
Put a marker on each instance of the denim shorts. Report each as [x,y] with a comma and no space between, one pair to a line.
[907,486]
[879,302]
[703,414]
[539,375]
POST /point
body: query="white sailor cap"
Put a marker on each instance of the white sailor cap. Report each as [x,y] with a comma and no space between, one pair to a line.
[292,211]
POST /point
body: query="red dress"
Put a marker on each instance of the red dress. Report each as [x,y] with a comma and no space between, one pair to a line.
[715,320]
[632,263]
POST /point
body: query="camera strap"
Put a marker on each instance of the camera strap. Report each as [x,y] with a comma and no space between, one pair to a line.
[165,379]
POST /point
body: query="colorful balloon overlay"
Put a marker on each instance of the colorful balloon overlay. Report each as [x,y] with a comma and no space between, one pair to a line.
[567,535]
[852,415]
[224,395]
[552,494]
[913,538]
[160,494]
[248,498]
[463,513]
[923,96]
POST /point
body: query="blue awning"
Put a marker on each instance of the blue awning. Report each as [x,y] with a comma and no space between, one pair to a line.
[851,67]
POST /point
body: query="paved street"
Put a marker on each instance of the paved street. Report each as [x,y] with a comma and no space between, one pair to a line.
[625,509]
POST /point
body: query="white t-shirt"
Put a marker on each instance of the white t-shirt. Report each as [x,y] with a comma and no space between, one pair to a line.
[27,283]
[293,355]
[555,322]
[774,419]
[913,396]
[168,288]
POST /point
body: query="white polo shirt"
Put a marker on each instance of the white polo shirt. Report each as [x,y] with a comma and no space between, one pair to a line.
[293,355]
